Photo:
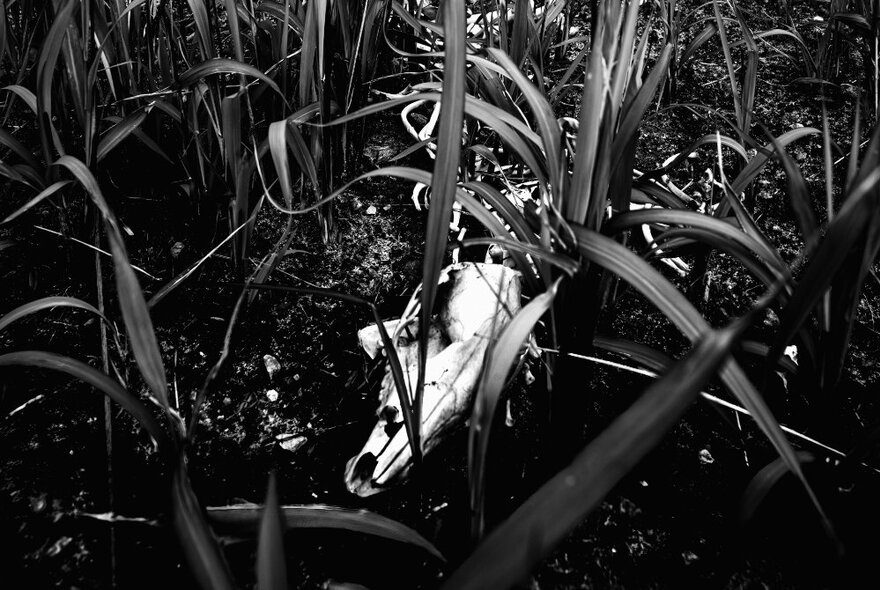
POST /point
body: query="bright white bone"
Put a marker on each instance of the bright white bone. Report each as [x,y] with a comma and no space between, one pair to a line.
[477,302]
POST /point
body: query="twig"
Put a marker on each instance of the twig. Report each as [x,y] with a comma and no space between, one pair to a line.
[89,246]
[706,396]
[33,400]
[215,370]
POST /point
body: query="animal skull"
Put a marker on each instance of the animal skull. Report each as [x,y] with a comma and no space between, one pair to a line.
[476,302]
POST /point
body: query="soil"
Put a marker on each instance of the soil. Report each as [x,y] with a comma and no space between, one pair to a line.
[673,522]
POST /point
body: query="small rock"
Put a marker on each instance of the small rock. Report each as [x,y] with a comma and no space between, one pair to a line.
[58,546]
[272,395]
[386,208]
[176,249]
[371,210]
[272,364]
[38,504]
[291,443]
[689,557]
[706,457]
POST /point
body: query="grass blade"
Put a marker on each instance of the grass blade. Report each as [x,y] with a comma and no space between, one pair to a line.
[635,111]
[44,194]
[728,60]
[763,482]
[500,359]
[278,147]
[829,166]
[47,303]
[589,127]
[296,143]
[203,28]
[271,565]
[750,74]
[311,51]
[131,299]
[4,40]
[129,402]
[551,135]
[683,155]
[19,150]
[636,218]
[119,132]
[45,71]
[234,32]
[200,547]
[646,356]
[707,33]
[244,518]
[445,180]
[515,547]
[799,196]
[672,238]
[230,115]
[853,164]
[613,256]
[831,253]
[24,94]
[221,65]
[757,163]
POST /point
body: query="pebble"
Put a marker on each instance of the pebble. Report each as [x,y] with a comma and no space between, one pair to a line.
[272,395]
[293,443]
[371,210]
[272,364]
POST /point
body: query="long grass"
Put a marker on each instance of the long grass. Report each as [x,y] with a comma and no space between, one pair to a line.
[253,104]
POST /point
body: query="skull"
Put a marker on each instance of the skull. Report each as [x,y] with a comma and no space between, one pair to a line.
[476,302]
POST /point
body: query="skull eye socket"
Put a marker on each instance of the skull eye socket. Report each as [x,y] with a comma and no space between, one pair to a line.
[389,414]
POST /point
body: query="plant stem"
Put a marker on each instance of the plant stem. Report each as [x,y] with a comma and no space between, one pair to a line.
[108,412]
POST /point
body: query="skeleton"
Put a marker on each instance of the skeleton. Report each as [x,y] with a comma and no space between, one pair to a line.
[516,193]
[476,24]
[703,194]
[420,191]
[477,301]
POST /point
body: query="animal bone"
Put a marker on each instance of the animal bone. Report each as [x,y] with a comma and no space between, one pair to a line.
[476,302]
